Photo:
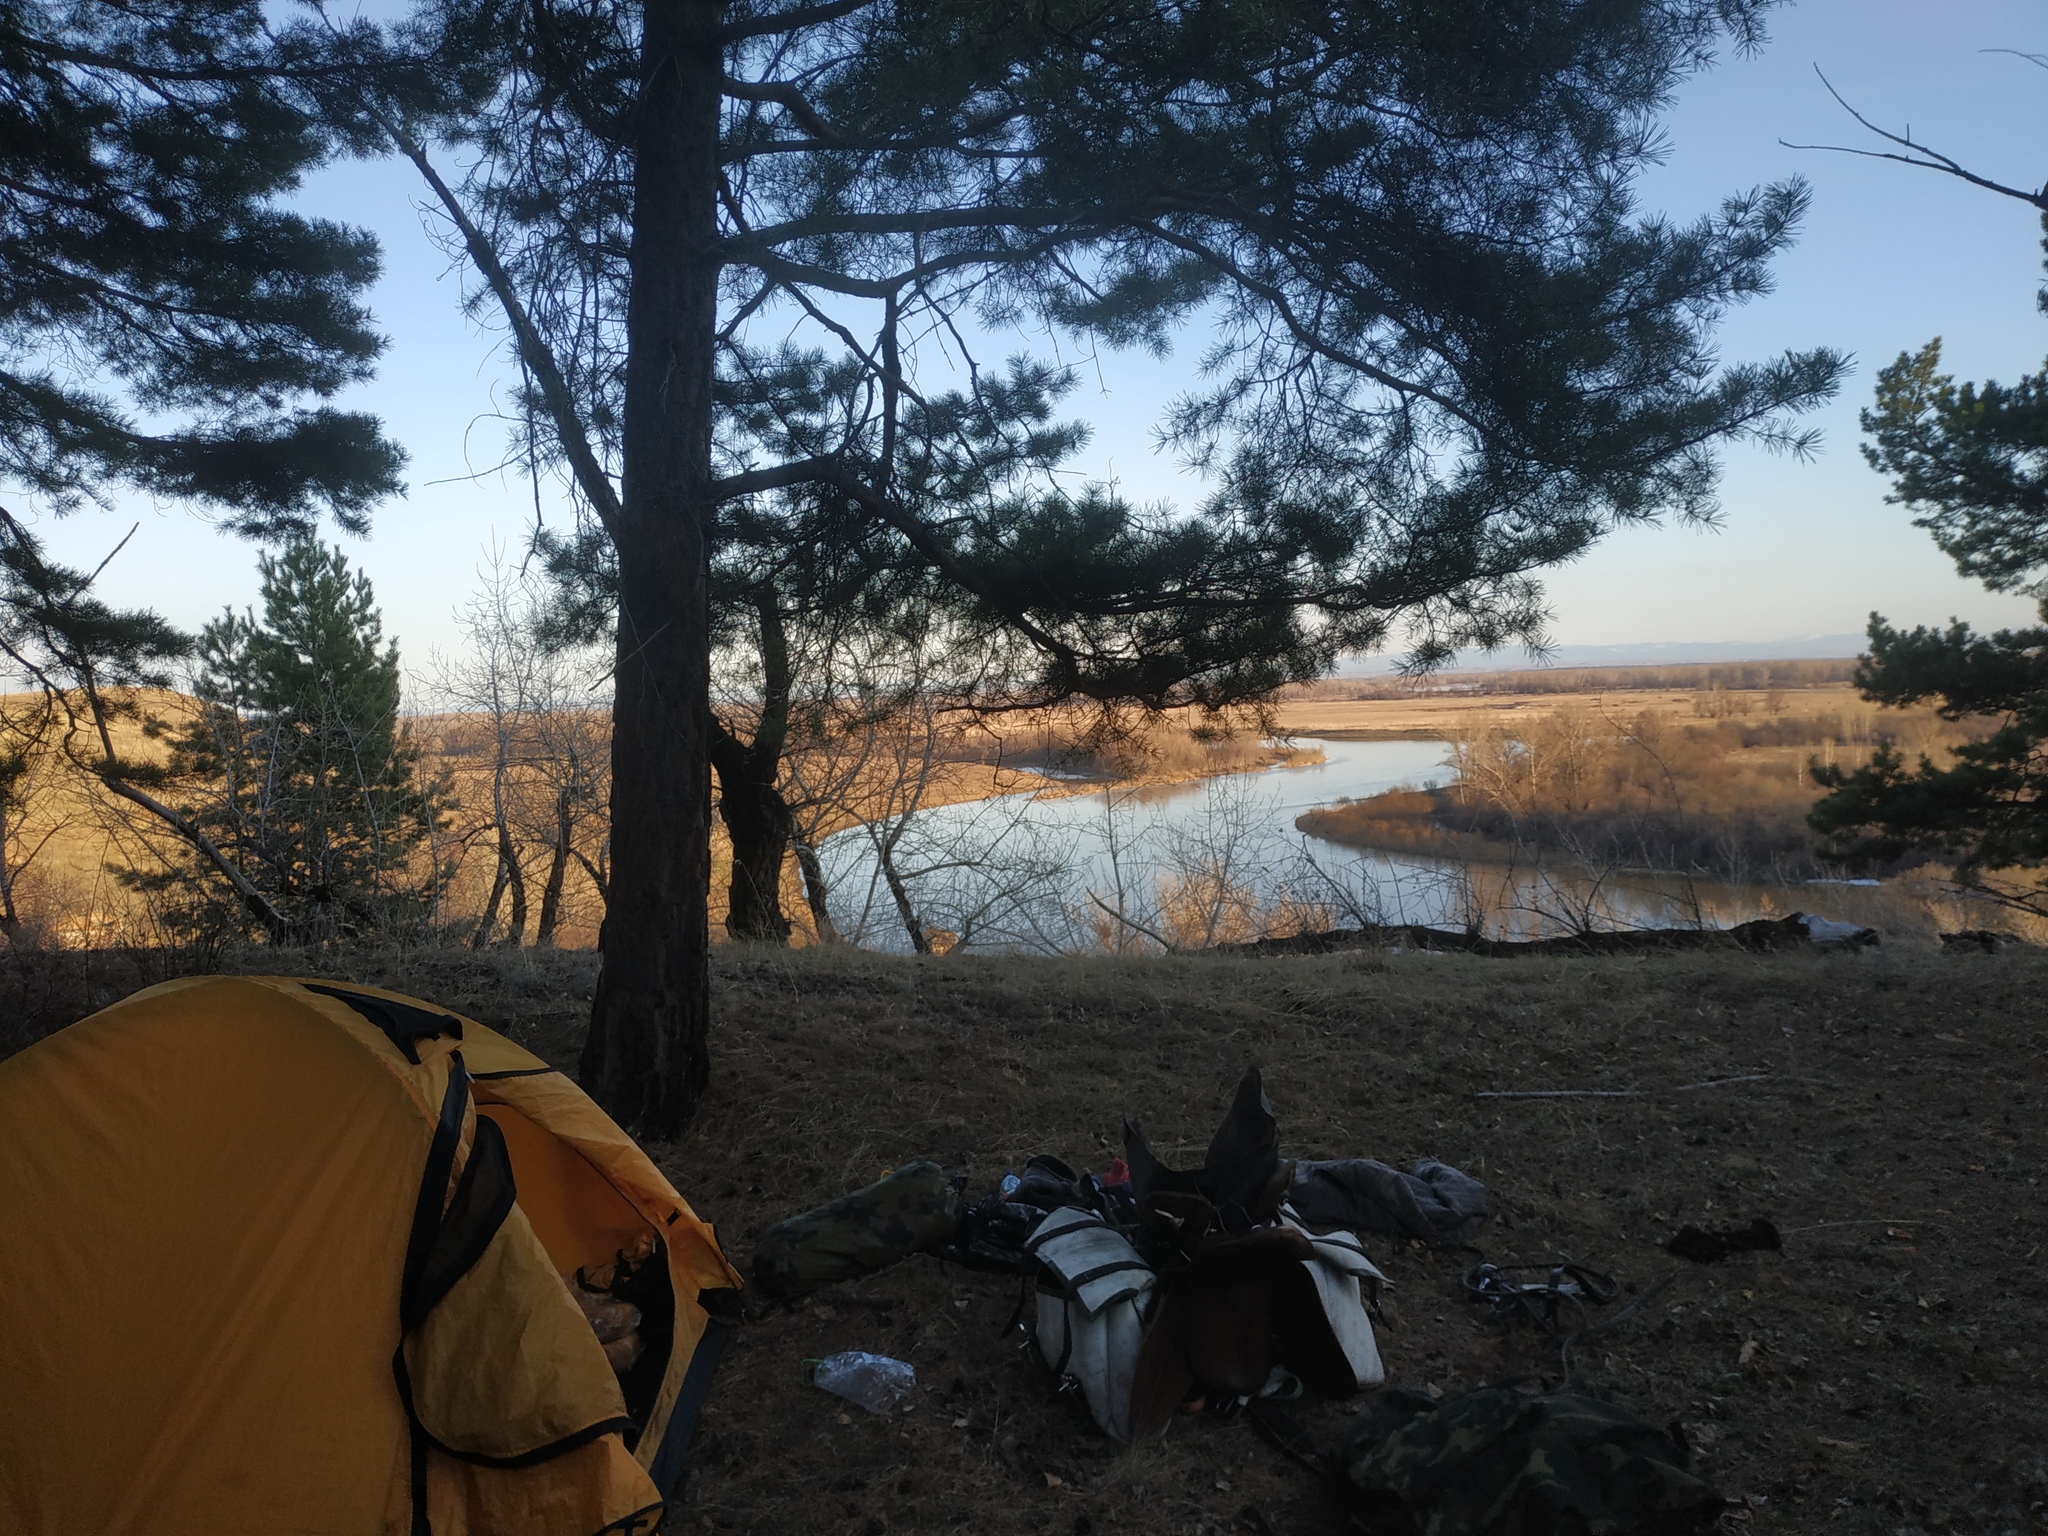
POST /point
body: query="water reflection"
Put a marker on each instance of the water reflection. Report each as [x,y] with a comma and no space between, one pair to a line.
[1215,861]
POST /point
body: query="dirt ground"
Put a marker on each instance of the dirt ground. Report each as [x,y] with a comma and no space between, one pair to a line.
[1886,1373]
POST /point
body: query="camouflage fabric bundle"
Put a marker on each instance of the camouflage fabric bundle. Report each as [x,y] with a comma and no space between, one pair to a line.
[1499,1463]
[914,1208]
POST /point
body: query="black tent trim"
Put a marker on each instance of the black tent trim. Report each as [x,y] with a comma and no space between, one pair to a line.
[641,1520]
[483,1198]
[445,1244]
[426,1226]
[402,1023]
[667,1465]
[426,1210]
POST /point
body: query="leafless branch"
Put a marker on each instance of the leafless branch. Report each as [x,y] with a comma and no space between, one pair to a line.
[1925,158]
[1135,926]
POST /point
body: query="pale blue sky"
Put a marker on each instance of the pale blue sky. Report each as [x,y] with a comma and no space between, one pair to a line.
[1888,258]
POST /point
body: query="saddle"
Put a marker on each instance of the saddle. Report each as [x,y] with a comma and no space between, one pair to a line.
[1205,1283]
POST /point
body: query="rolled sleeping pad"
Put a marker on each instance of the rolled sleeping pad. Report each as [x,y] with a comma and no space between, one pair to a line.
[913,1208]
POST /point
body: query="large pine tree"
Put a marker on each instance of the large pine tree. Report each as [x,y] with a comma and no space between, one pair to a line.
[164,317]
[297,765]
[1971,462]
[1449,349]
[168,323]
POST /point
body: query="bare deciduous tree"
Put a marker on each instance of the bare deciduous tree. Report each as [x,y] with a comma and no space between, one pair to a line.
[527,717]
[32,807]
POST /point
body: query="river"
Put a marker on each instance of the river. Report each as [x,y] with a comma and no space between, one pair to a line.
[1213,861]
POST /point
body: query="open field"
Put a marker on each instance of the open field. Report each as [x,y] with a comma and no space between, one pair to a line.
[1427,716]
[1714,783]
[1886,1373]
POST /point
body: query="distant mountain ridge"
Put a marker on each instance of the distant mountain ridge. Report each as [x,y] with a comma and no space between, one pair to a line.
[1642,654]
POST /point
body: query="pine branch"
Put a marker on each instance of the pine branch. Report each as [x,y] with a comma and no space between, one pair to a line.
[783,22]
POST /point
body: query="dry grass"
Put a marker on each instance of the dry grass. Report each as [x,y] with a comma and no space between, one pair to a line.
[1782,676]
[1895,1140]
[1897,1377]
[1722,793]
[1428,716]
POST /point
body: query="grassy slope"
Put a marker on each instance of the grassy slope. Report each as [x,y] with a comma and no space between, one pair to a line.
[1897,1379]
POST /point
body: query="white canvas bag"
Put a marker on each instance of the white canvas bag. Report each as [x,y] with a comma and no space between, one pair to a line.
[1345,1280]
[1093,1292]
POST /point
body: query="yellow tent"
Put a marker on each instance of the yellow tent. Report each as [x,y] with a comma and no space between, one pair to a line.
[286,1256]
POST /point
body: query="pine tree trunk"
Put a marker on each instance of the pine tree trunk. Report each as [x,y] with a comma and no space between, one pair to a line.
[10,919]
[756,817]
[758,823]
[645,1059]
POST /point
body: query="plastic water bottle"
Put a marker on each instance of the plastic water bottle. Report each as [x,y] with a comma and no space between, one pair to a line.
[1010,1183]
[876,1382]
